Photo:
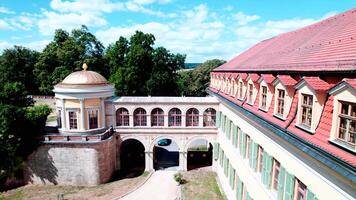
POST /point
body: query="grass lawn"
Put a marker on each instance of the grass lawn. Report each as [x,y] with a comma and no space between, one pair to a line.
[201,185]
[50,192]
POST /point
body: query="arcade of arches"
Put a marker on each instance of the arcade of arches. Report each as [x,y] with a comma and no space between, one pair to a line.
[142,153]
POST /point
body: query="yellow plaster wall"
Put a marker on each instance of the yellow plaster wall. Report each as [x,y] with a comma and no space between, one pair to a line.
[72,103]
[92,102]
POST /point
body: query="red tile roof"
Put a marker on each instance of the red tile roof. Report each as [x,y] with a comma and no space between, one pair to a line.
[268,78]
[286,80]
[351,82]
[322,134]
[316,83]
[329,45]
[243,76]
[254,77]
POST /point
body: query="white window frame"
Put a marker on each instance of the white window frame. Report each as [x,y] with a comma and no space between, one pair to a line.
[76,110]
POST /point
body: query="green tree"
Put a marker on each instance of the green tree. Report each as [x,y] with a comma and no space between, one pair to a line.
[20,124]
[195,82]
[163,80]
[65,54]
[139,69]
[17,65]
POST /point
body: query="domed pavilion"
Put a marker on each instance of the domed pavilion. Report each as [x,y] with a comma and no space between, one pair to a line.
[80,101]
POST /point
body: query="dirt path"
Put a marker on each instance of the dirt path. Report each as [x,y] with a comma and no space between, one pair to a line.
[161,186]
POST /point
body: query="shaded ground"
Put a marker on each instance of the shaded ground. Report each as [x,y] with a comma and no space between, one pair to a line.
[50,192]
[201,184]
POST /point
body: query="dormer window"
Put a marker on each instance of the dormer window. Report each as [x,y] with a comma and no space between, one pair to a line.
[240,90]
[280,102]
[307,109]
[264,97]
[347,123]
[250,93]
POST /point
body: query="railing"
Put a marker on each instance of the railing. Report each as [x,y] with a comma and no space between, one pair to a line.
[77,138]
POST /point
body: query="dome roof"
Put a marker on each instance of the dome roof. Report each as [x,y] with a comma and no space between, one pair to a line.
[84,78]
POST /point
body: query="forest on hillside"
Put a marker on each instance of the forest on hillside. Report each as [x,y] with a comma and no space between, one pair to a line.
[134,65]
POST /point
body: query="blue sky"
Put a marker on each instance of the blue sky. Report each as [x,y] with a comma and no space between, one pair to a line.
[200,29]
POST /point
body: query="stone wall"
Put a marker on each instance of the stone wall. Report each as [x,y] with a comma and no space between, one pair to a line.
[72,164]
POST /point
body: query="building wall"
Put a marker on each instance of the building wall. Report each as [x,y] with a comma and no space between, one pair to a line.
[72,164]
[320,182]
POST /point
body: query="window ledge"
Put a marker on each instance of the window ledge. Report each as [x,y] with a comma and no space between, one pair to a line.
[342,144]
[279,117]
[263,109]
[305,128]
[249,103]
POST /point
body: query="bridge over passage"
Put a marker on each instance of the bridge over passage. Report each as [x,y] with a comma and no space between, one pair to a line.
[145,122]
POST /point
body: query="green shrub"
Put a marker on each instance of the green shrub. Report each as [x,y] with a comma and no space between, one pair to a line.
[178,177]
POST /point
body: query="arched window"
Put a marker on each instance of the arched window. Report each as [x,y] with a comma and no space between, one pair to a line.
[192,117]
[140,117]
[157,117]
[122,117]
[209,117]
[175,117]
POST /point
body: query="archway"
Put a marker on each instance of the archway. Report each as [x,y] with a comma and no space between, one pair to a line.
[132,158]
[199,154]
[165,154]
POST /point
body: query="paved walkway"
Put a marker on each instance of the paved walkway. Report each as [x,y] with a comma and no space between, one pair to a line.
[161,186]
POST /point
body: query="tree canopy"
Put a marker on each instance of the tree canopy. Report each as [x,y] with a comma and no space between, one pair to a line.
[195,82]
[65,54]
[139,69]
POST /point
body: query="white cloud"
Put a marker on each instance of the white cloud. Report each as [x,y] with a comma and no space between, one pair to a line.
[195,34]
[228,8]
[243,19]
[4,45]
[269,29]
[35,45]
[5,10]
[71,14]
[68,21]
[106,6]
[143,2]
[4,25]
[86,6]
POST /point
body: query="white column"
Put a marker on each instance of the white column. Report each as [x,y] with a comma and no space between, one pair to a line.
[82,114]
[184,119]
[183,161]
[131,119]
[201,118]
[102,100]
[148,161]
[148,117]
[63,115]
[113,116]
[166,119]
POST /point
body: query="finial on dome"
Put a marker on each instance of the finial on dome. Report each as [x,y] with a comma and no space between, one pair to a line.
[85,67]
